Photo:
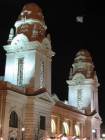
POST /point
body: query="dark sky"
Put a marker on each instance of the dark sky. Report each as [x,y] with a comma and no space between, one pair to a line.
[68,36]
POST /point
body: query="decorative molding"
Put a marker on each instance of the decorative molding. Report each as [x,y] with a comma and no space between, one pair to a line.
[30,21]
[33,45]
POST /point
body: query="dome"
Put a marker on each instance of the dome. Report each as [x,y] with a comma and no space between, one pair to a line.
[83,64]
[83,55]
[31,23]
[32,11]
[83,52]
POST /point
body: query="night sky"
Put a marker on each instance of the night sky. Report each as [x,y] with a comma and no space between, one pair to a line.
[68,36]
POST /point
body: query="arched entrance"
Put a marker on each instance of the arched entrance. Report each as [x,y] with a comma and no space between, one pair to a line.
[13,126]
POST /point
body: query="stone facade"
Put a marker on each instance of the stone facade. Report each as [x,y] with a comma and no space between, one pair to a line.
[28,110]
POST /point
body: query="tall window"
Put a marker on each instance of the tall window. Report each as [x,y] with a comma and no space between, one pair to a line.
[13,122]
[66,127]
[42,122]
[20,72]
[53,126]
[42,75]
[79,98]
[77,130]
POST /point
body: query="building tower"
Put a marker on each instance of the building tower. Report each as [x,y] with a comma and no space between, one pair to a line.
[25,101]
[28,62]
[83,83]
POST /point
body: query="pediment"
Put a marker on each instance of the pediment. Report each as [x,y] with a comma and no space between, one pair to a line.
[46,97]
[97,116]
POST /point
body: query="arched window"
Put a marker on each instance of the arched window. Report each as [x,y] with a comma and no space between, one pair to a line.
[13,122]
[77,130]
[53,126]
[20,71]
[42,75]
[65,128]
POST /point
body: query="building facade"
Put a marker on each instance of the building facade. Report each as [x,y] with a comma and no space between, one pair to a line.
[28,110]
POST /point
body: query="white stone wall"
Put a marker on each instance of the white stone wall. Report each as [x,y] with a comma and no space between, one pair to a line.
[86,92]
[88,96]
[33,53]
[96,122]
[14,102]
[36,107]
[10,68]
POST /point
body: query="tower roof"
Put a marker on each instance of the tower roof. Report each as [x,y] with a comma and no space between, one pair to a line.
[31,11]
[83,52]
[31,23]
[82,64]
[83,55]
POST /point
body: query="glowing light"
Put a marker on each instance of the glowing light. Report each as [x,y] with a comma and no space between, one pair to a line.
[93,131]
[53,126]
[79,19]
[23,129]
[64,138]
[103,135]
[66,127]
[1,138]
[77,139]
[77,130]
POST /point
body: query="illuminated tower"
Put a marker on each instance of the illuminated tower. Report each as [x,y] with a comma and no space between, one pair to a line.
[29,51]
[83,83]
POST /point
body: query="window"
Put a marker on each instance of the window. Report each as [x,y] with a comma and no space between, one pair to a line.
[13,122]
[77,130]
[66,127]
[79,98]
[53,126]
[42,75]
[20,72]
[42,122]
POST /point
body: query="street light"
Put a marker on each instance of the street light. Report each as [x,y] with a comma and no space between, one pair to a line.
[94,133]
[23,129]
[103,136]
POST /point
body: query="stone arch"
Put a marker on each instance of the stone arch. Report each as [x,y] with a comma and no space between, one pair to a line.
[14,124]
[13,121]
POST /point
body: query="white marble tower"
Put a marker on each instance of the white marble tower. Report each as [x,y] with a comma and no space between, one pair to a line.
[83,83]
[29,53]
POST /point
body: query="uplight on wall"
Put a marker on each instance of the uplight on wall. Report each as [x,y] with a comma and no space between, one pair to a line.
[103,135]
[66,128]
[53,126]
[77,130]
[93,131]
